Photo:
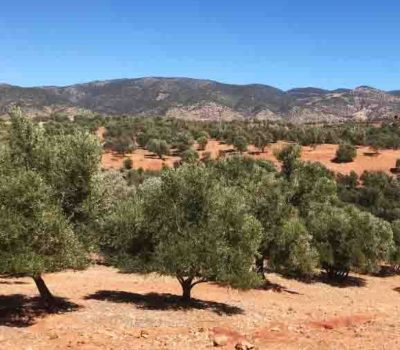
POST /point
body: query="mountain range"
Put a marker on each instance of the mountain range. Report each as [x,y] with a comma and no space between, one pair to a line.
[202,99]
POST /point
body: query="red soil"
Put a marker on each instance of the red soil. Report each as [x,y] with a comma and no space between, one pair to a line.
[365,160]
[129,311]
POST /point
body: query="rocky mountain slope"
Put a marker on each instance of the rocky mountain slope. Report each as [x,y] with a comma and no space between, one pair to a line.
[202,99]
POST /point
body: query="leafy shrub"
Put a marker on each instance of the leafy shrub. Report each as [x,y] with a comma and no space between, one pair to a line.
[345,153]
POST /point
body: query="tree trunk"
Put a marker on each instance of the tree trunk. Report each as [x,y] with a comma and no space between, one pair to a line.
[45,293]
[260,267]
[186,289]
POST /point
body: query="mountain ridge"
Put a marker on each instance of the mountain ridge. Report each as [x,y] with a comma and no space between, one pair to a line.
[192,98]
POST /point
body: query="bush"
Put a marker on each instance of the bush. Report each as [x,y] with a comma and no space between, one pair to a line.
[345,153]
[190,156]
[290,158]
[240,143]
[347,238]
[128,164]
[202,141]
[158,147]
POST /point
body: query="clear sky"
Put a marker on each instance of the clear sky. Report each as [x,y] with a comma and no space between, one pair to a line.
[284,43]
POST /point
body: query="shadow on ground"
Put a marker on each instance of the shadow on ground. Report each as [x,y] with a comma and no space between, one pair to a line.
[163,301]
[13,282]
[18,310]
[350,281]
[276,287]
[387,271]
[397,289]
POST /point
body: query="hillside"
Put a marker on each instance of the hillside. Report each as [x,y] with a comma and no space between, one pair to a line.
[202,99]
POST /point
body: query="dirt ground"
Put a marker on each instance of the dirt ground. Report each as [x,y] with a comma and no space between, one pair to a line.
[110,310]
[365,160]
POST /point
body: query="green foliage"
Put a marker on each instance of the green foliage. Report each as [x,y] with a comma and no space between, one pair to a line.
[190,156]
[128,164]
[202,142]
[45,181]
[240,143]
[240,171]
[188,225]
[345,153]
[311,183]
[348,238]
[158,147]
[35,237]
[262,140]
[286,243]
[184,142]
[289,156]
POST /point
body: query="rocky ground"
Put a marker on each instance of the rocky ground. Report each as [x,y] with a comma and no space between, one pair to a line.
[109,310]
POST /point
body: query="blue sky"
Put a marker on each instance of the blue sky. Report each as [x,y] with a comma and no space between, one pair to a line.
[285,43]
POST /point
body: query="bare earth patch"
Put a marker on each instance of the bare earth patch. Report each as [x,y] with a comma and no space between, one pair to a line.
[365,160]
[110,310]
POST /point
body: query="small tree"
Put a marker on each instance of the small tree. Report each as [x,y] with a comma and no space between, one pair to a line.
[189,226]
[184,141]
[290,157]
[128,164]
[348,238]
[158,147]
[345,153]
[202,142]
[123,144]
[44,208]
[190,156]
[262,140]
[286,242]
[35,236]
[240,143]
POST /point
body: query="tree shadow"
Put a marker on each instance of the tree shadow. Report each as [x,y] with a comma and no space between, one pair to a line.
[164,301]
[387,271]
[13,282]
[397,289]
[152,156]
[337,161]
[370,154]
[17,310]
[349,281]
[276,287]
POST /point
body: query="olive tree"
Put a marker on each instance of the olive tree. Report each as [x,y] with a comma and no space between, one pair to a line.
[240,143]
[262,140]
[289,156]
[158,147]
[186,224]
[190,156]
[348,238]
[202,142]
[345,153]
[286,243]
[43,208]
[35,236]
